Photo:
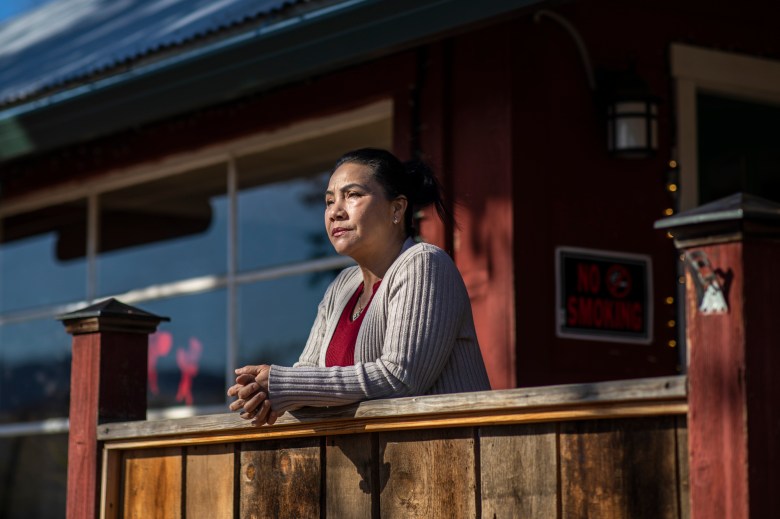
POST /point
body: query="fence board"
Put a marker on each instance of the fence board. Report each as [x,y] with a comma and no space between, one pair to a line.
[280,479]
[152,486]
[111,479]
[349,480]
[683,477]
[518,467]
[619,468]
[427,474]
[210,481]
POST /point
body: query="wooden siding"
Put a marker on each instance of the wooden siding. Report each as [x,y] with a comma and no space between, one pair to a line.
[368,461]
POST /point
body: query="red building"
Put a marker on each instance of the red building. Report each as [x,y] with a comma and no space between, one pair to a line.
[171,155]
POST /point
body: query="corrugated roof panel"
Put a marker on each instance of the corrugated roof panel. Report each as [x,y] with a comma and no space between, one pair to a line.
[69,40]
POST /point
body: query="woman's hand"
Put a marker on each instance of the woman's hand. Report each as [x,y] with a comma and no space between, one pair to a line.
[251,392]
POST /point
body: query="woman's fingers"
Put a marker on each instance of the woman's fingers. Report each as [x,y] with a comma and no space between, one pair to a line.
[253,403]
[247,391]
[245,379]
[261,414]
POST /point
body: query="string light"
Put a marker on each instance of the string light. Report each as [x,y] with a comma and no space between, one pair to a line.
[670,323]
[672,163]
[670,300]
[668,211]
[672,343]
[672,187]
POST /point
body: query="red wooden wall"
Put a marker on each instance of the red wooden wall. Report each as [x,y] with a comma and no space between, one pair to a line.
[505,114]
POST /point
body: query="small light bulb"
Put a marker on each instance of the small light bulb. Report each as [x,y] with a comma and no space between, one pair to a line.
[681,280]
[672,163]
[669,300]
[672,343]
[672,188]
[669,235]
[670,323]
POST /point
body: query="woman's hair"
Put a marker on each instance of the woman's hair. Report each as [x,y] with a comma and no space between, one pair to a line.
[413,179]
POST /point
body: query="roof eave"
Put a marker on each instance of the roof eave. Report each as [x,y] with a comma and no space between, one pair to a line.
[227,69]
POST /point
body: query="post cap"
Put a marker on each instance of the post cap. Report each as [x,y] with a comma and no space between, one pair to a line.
[111,315]
[726,219]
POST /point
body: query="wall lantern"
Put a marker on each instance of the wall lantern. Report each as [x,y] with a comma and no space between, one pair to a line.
[630,108]
[632,118]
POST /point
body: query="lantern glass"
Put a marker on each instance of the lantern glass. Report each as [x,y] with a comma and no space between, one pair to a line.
[632,128]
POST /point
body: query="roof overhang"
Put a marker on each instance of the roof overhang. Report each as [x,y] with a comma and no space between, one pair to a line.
[342,34]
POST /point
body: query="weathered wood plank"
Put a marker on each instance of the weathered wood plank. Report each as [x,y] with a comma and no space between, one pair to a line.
[280,479]
[110,484]
[683,475]
[427,474]
[152,484]
[498,417]
[518,468]
[619,469]
[210,481]
[349,481]
[621,396]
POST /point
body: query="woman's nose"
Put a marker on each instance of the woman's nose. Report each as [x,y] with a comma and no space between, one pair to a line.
[336,211]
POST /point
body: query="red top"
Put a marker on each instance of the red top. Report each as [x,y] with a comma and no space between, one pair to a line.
[341,350]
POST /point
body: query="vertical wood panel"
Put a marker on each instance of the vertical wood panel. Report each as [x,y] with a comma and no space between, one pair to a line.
[427,474]
[683,474]
[210,481]
[152,486]
[280,479]
[519,471]
[110,484]
[348,473]
[619,468]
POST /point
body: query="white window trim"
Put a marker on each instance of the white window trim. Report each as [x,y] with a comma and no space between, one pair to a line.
[696,69]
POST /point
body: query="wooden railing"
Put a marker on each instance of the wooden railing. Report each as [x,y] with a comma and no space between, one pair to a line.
[615,449]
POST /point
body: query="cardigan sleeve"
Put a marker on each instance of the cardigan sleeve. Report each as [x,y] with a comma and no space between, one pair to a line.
[424,311]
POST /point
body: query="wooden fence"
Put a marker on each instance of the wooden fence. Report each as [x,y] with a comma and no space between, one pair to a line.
[606,450]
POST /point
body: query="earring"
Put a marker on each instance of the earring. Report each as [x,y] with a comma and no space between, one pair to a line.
[395,219]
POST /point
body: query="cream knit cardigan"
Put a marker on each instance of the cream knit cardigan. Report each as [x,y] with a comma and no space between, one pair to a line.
[417,337]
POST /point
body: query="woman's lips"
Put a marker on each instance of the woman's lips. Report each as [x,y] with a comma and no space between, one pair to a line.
[338,231]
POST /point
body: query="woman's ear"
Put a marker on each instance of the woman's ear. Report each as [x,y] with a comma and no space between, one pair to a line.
[399,206]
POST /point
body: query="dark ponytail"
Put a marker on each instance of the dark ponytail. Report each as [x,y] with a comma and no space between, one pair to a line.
[413,179]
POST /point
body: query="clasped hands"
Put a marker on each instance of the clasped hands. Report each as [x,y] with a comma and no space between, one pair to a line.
[251,392]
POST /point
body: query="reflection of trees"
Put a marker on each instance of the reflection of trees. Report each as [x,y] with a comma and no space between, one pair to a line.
[313,195]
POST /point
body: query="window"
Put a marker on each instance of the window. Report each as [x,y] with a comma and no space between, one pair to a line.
[228,242]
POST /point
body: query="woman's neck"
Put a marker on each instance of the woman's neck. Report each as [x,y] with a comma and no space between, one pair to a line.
[374,268]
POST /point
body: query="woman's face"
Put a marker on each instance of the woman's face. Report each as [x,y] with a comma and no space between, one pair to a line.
[358,215]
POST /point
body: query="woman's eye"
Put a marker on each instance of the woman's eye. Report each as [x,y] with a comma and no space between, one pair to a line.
[328,202]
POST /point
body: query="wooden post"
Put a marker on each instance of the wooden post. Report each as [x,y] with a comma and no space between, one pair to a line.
[732,252]
[108,384]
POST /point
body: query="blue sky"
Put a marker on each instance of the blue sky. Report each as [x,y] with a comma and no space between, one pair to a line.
[12,8]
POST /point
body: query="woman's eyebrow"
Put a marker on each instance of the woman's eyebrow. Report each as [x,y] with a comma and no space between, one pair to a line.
[347,188]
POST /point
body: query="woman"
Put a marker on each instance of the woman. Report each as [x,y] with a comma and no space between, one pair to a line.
[397,324]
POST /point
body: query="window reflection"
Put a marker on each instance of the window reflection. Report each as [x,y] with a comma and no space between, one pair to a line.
[186,363]
[35,363]
[171,229]
[276,316]
[33,472]
[42,257]
[282,222]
